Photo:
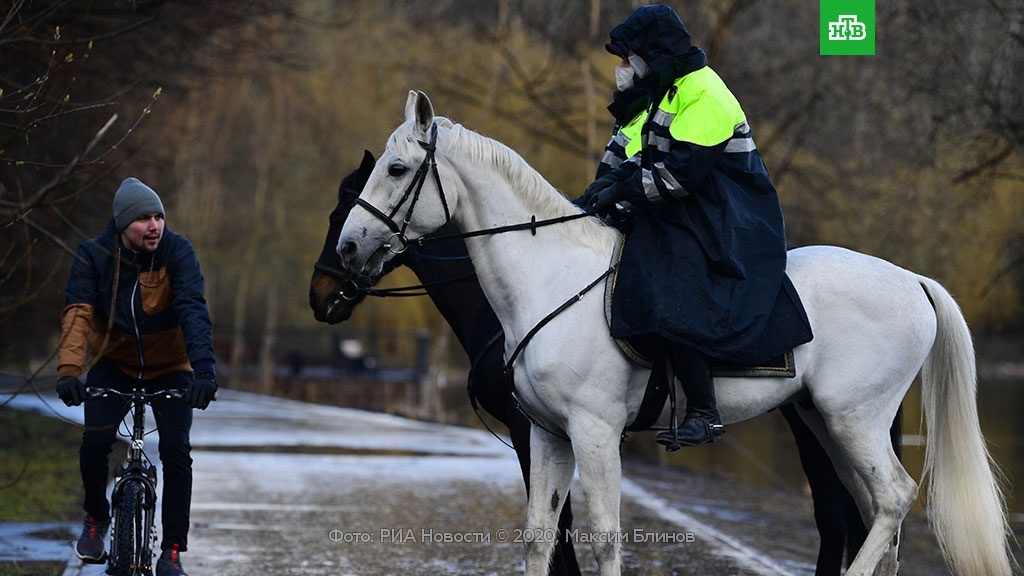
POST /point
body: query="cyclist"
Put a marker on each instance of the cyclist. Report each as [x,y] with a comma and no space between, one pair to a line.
[135,302]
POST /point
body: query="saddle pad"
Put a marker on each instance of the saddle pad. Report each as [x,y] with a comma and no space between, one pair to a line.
[643,350]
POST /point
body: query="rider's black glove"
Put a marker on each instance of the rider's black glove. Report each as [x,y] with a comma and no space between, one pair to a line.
[71,390]
[201,391]
[588,198]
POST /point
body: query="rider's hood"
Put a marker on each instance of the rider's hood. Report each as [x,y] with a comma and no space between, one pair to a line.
[656,34]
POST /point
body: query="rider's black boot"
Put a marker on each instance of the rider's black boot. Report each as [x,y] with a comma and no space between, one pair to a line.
[701,424]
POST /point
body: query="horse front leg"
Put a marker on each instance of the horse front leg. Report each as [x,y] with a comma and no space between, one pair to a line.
[600,467]
[563,562]
[551,470]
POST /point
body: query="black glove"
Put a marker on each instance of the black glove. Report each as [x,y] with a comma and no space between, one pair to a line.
[71,390]
[201,391]
[629,189]
[586,201]
[606,198]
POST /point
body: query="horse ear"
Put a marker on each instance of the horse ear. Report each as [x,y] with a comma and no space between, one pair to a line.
[368,162]
[419,109]
[424,112]
[410,106]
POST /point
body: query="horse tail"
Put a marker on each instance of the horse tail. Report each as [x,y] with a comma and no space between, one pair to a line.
[966,506]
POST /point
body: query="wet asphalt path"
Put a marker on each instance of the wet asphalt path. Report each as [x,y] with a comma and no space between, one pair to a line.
[282,487]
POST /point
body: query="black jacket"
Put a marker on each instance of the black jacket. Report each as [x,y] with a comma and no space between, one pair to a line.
[704,264]
[145,313]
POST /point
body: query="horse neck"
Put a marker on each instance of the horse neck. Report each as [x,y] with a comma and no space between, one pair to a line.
[524,275]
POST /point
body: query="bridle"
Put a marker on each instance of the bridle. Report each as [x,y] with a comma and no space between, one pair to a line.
[412,194]
[429,164]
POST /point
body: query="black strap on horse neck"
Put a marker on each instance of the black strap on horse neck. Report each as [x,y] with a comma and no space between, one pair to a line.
[497,338]
[532,226]
[510,373]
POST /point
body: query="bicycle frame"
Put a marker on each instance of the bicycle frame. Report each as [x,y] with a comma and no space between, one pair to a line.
[134,495]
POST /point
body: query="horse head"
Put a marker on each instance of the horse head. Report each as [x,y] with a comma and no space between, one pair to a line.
[333,291]
[403,198]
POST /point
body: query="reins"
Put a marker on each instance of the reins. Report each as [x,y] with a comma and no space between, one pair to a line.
[532,226]
[348,282]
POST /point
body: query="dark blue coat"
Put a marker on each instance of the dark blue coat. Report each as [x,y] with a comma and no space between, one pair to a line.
[704,263]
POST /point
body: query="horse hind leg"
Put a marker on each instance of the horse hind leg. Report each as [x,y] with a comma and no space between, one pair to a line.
[882,487]
[840,528]
[550,476]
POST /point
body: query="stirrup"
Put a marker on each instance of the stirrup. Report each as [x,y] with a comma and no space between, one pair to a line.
[673,441]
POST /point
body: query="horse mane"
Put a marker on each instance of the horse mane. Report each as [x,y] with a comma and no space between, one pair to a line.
[531,185]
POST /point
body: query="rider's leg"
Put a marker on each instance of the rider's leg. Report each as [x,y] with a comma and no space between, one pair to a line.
[701,424]
[102,418]
[174,421]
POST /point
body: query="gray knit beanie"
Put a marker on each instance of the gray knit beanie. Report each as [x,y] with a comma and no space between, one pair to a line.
[134,200]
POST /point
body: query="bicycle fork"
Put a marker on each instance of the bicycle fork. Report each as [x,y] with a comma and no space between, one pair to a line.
[134,509]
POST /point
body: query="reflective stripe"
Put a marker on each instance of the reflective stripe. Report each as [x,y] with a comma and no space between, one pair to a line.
[650,190]
[738,145]
[615,151]
[611,158]
[663,118]
[662,143]
[741,141]
[672,186]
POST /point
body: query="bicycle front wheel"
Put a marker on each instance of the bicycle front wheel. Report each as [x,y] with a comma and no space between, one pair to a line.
[132,552]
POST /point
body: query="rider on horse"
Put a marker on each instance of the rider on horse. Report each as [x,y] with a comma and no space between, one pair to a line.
[703,266]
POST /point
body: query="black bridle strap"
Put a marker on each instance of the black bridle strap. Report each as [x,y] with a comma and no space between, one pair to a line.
[418,290]
[572,300]
[429,164]
[378,214]
[510,373]
[532,226]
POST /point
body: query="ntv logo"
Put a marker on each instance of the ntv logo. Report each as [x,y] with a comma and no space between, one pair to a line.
[848,27]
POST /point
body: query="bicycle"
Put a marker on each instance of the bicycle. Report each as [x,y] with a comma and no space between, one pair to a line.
[133,499]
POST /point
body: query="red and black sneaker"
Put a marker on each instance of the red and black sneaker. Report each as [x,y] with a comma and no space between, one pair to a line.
[90,547]
[169,563]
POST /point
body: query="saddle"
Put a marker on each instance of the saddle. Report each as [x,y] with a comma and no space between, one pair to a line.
[649,352]
[656,393]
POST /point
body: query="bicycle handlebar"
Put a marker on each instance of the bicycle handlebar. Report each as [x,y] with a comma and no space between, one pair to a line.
[92,393]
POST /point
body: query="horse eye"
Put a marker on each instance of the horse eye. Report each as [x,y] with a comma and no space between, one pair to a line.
[396,170]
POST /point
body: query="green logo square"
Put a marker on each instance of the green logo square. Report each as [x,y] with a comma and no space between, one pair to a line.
[847,27]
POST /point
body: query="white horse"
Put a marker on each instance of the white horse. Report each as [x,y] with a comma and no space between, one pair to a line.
[875,327]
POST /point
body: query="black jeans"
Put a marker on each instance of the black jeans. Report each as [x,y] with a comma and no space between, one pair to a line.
[103,417]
